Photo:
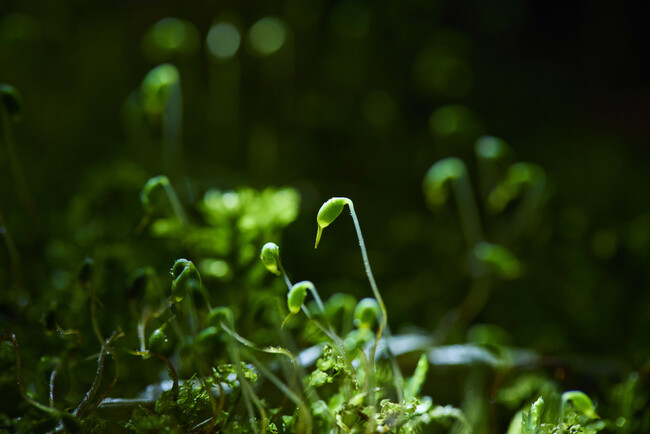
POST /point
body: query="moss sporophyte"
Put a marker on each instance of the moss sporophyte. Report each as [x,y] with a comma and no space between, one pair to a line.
[331,365]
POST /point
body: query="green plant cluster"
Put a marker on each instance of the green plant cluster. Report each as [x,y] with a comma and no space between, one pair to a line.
[162,304]
[217,347]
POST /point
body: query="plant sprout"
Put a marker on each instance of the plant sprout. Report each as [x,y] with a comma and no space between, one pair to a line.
[329,212]
[453,170]
[11,109]
[149,189]
[162,101]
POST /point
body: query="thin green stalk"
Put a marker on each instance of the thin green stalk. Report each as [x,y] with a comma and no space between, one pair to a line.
[377,295]
[328,212]
[172,130]
[98,376]
[329,331]
[14,256]
[371,279]
[175,202]
[249,394]
[276,381]
[173,374]
[286,390]
[93,319]
[468,210]
[68,356]
[19,377]
[269,350]
[16,167]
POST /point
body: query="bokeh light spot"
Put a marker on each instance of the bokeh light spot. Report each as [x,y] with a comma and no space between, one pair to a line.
[223,40]
[267,36]
[452,119]
[168,37]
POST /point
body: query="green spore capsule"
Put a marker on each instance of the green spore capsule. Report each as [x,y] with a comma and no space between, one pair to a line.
[328,213]
[186,278]
[207,340]
[158,341]
[296,296]
[221,315]
[520,175]
[435,181]
[156,88]
[148,190]
[499,259]
[581,402]
[270,257]
[366,313]
[11,101]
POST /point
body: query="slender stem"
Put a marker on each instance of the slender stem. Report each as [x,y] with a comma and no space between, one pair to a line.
[245,386]
[93,319]
[68,356]
[284,274]
[286,390]
[19,376]
[329,332]
[172,131]
[398,378]
[16,168]
[467,210]
[176,203]
[213,404]
[116,376]
[373,285]
[141,331]
[268,350]
[383,324]
[14,256]
[173,374]
[276,381]
[52,377]
[98,376]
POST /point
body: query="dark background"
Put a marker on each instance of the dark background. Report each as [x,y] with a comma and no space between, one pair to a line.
[343,109]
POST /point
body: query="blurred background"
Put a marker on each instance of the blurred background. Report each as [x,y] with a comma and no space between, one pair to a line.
[358,99]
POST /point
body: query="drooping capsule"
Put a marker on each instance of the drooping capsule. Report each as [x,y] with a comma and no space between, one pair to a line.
[436,178]
[329,212]
[186,278]
[270,256]
[156,88]
[220,315]
[158,341]
[148,190]
[498,259]
[580,401]
[296,296]
[366,313]
[11,101]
